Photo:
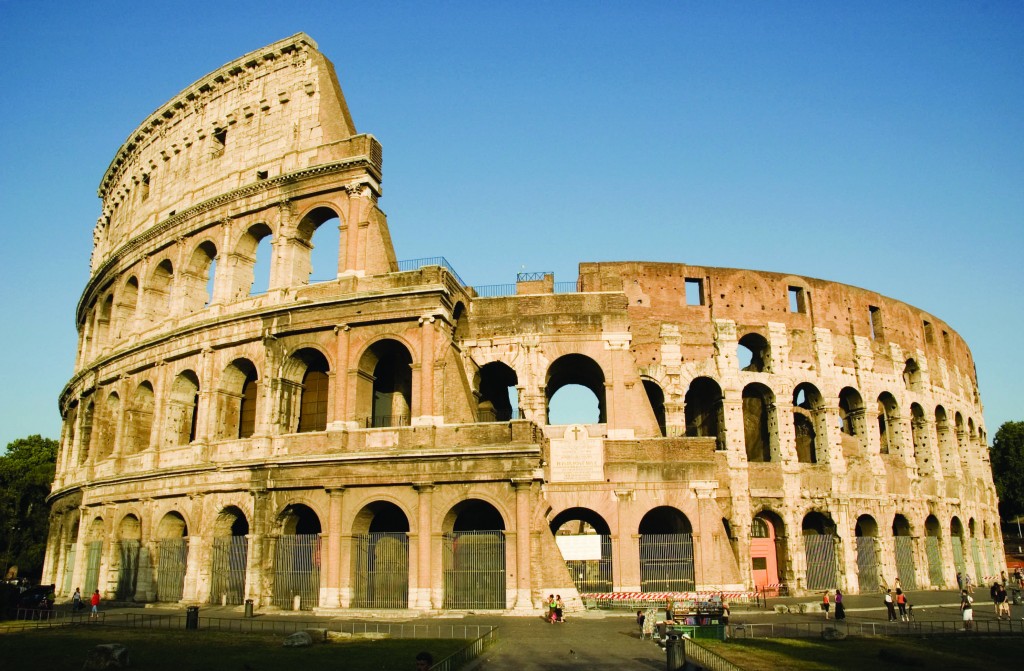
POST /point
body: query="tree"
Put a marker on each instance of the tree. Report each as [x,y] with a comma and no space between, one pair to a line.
[1007,456]
[26,473]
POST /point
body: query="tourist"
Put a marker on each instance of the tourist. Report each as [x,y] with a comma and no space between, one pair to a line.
[559,609]
[640,617]
[889,606]
[76,600]
[993,593]
[95,601]
[1002,605]
[840,608]
[424,661]
[960,581]
[966,609]
[825,603]
[549,608]
[901,603]
[968,584]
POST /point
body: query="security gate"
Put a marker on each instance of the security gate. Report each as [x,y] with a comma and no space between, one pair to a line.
[905,569]
[867,564]
[979,570]
[172,560]
[297,571]
[227,568]
[381,570]
[666,563]
[931,547]
[94,556]
[589,560]
[958,555]
[69,567]
[474,569]
[820,552]
[128,571]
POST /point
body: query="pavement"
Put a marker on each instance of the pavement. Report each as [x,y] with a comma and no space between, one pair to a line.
[610,639]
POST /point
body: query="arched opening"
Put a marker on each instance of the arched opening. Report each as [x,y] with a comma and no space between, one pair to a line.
[384,387]
[93,555]
[704,412]
[578,383]
[139,419]
[820,552]
[320,233]
[852,423]
[69,550]
[158,292]
[129,542]
[461,330]
[380,552]
[585,541]
[919,437]
[869,572]
[754,354]
[760,426]
[297,559]
[956,537]
[979,568]
[198,277]
[888,424]
[912,375]
[182,410]
[306,392]
[236,399]
[947,445]
[666,551]
[810,424]
[499,396]
[932,546]
[85,443]
[903,544]
[103,328]
[474,556]
[656,397]
[767,550]
[124,309]
[172,557]
[106,433]
[229,557]
[251,261]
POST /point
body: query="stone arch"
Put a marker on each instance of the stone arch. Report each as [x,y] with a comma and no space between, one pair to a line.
[250,261]
[95,534]
[182,409]
[297,558]
[666,551]
[760,423]
[820,551]
[305,391]
[889,434]
[237,399]
[584,539]
[106,430]
[703,410]
[920,438]
[576,370]
[903,545]
[126,306]
[310,234]
[767,549]
[933,551]
[753,353]
[869,572]
[380,556]
[810,424]
[85,442]
[157,292]
[912,375]
[947,444]
[171,556]
[139,419]
[460,324]
[656,397]
[127,555]
[229,556]
[474,555]
[384,384]
[103,329]
[497,384]
[853,423]
[198,277]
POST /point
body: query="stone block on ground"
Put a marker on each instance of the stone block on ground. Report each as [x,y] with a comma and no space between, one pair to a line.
[299,639]
[833,634]
[107,656]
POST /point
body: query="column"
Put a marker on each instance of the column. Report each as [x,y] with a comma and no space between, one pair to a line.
[423,392]
[421,597]
[523,577]
[329,593]
[341,379]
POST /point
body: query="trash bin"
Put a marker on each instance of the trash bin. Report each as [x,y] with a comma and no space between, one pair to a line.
[675,654]
[192,617]
[248,607]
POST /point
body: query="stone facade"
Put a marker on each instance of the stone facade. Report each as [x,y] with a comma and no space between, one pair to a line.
[381,439]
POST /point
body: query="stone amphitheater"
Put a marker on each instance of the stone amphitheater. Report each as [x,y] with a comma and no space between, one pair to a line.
[381,439]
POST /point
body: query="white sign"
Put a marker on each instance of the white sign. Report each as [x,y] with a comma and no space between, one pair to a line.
[579,547]
[576,457]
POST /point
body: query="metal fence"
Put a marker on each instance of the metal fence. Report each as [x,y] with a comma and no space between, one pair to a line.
[934,553]
[297,571]
[128,569]
[958,555]
[820,552]
[69,566]
[474,570]
[94,556]
[666,563]
[593,575]
[914,628]
[979,570]
[227,570]
[461,658]
[172,561]
[416,264]
[703,658]
[381,569]
[905,569]
[867,564]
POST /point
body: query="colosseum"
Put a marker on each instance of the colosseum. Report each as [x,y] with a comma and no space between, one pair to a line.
[381,438]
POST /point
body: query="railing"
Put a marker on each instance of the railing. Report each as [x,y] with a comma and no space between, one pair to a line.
[495,290]
[386,421]
[705,659]
[462,657]
[913,628]
[484,416]
[568,287]
[35,618]
[533,277]
[416,264]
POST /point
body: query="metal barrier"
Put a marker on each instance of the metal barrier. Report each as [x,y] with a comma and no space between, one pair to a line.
[462,657]
[893,629]
[416,264]
[704,658]
[34,618]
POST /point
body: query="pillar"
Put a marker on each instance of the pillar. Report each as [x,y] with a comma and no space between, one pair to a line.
[421,596]
[523,576]
[330,592]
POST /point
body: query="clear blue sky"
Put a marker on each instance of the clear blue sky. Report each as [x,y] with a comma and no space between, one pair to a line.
[879,144]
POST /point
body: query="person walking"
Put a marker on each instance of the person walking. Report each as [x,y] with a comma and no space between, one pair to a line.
[840,608]
[993,593]
[968,584]
[960,581]
[967,609]
[95,602]
[76,600]
[889,606]
[901,603]
[825,603]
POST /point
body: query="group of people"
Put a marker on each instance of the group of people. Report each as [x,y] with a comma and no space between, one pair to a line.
[897,601]
[77,604]
[826,605]
[554,609]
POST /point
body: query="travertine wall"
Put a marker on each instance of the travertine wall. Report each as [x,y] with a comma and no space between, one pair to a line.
[201,411]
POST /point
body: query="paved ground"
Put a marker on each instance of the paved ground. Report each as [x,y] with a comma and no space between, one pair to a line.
[609,639]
